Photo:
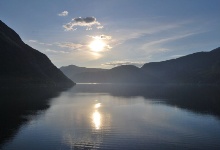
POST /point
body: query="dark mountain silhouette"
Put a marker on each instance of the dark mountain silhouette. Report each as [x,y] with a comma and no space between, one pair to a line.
[201,67]
[21,65]
[72,70]
[197,68]
[120,74]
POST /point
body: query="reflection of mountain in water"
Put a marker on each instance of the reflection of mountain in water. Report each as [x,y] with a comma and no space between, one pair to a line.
[17,104]
[202,99]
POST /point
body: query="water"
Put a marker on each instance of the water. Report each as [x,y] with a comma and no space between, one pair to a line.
[111,117]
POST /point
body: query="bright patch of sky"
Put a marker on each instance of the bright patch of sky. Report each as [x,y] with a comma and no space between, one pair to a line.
[131,31]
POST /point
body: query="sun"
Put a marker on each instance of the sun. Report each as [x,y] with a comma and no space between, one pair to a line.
[97,45]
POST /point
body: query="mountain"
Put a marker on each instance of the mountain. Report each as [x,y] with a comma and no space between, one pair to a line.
[21,65]
[120,74]
[72,70]
[200,67]
[197,68]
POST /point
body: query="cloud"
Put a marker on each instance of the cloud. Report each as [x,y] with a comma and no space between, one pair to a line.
[87,22]
[176,56]
[41,43]
[64,13]
[168,39]
[101,37]
[57,52]
[157,28]
[129,34]
[163,49]
[119,63]
[100,27]
[70,45]
[105,38]
[32,41]
[108,47]
[88,28]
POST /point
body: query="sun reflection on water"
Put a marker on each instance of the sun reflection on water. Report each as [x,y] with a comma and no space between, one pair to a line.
[96,116]
[97,119]
[97,105]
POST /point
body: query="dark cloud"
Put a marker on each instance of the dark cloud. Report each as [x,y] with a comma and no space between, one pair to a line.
[87,22]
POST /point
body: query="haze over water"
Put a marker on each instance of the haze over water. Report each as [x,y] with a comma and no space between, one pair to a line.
[108,117]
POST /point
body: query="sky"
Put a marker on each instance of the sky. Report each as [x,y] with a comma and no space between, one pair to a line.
[108,33]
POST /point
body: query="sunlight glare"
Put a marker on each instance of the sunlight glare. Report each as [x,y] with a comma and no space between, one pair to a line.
[97,45]
[97,105]
[97,119]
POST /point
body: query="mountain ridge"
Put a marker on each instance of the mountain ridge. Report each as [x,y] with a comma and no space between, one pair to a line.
[21,65]
[188,69]
[196,68]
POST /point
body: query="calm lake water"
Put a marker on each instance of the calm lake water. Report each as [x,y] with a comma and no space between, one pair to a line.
[111,117]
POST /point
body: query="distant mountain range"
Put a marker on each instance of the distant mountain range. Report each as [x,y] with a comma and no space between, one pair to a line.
[200,67]
[120,74]
[197,68]
[71,70]
[21,65]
